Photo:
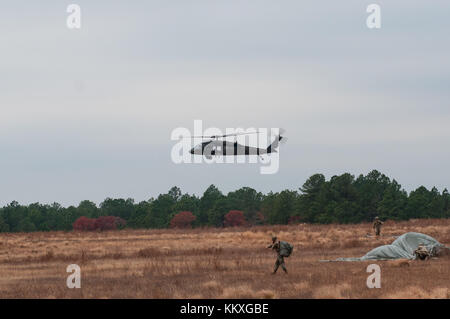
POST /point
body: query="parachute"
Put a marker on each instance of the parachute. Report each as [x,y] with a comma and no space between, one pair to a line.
[285,249]
[402,248]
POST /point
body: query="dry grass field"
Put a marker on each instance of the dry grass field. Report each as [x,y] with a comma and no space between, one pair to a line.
[218,263]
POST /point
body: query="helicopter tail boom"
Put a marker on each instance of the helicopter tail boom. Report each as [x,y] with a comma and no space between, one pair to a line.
[272,147]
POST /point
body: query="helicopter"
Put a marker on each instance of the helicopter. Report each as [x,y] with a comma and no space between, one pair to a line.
[216,147]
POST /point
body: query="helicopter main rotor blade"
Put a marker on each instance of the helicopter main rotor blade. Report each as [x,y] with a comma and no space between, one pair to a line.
[219,136]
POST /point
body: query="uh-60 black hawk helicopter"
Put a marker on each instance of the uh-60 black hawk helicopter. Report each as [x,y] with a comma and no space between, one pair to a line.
[217,147]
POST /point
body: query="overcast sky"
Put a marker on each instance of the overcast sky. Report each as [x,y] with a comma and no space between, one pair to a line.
[88,114]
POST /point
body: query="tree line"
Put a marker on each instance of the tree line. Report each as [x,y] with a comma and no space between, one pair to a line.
[341,199]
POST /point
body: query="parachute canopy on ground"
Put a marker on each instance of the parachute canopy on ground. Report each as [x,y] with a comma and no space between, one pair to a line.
[402,248]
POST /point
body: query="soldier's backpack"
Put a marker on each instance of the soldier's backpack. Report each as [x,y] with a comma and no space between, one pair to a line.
[285,249]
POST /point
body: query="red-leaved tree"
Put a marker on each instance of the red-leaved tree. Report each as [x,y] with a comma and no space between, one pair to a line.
[234,218]
[101,223]
[182,220]
[109,222]
[84,223]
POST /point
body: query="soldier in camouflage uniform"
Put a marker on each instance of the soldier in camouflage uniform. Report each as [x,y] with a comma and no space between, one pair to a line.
[377,226]
[422,252]
[280,259]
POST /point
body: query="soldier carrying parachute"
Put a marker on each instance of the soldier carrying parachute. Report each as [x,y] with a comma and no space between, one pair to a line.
[283,249]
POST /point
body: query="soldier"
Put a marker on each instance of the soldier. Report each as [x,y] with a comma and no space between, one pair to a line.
[280,259]
[377,226]
[422,252]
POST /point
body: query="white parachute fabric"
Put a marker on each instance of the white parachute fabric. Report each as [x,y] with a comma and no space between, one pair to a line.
[402,248]
[387,252]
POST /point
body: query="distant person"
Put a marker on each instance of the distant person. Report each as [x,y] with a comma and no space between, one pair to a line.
[283,249]
[377,226]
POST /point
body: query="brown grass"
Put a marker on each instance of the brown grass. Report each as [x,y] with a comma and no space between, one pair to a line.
[218,263]
[399,263]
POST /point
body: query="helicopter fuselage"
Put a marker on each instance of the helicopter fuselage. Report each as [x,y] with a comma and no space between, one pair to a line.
[227,148]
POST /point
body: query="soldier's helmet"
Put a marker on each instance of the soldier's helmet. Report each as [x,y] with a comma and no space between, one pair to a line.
[274,238]
[377,217]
